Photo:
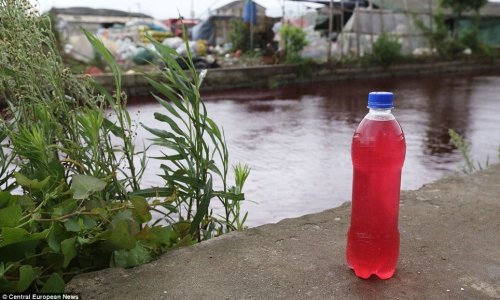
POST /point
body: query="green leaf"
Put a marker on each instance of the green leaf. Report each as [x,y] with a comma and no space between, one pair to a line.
[168,92]
[160,133]
[192,181]
[154,192]
[68,249]
[214,127]
[167,105]
[141,209]
[55,284]
[130,258]
[185,241]
[162,235]
[17,235]
[9,216]
[106,55]
[6,199]
[26,276]
[230,196]
[166,119]
[87,222]
[65,207]
[55,236]
[72,225]
[182,228]
[125,215]
[121,238]
[83,186]
[112,127]
[202,210]
[31,184]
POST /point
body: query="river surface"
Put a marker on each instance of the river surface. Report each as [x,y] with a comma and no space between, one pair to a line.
[297,139]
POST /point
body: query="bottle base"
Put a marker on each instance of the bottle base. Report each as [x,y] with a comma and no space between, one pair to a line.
[367,274]
[370,254]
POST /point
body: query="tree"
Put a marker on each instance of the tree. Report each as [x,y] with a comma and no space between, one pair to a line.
[294,40]
[460,6]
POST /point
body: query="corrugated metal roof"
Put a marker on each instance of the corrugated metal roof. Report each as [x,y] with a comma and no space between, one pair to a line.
[237,2]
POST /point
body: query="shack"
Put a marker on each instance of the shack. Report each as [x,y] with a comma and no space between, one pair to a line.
[217,28]
[356,24]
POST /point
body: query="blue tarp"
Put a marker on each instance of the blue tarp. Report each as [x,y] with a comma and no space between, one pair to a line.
[204,30]
[250,12]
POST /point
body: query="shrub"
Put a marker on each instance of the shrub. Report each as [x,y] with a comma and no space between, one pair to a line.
[386,51]
[294,40]
[79,203]
[240,35]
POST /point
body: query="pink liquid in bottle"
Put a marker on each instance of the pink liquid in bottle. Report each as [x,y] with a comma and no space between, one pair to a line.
[378,152]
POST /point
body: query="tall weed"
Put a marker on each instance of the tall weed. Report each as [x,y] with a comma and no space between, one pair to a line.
[464,148]
[71,198]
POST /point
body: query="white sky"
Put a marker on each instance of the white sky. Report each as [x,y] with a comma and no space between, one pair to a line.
[162,9]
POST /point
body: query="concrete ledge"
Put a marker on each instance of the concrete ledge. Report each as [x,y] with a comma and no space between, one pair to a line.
[450,249]
[278,75]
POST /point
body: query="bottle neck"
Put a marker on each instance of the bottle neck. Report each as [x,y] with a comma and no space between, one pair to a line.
[380,114]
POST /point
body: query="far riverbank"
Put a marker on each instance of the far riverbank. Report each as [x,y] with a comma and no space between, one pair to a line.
[136,85]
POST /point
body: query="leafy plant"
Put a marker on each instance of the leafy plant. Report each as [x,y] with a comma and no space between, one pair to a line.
[240,35]
[446,44]
[196,142]
[386,51]
[438,37]
[464,149]
[460,6]
[79,204]
[294,40]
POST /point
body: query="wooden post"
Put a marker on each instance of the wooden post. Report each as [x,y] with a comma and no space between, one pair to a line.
[431,16]
[410,36]
[381,14]
[371,24]
[356,24]
[330,29]
[251,25]
[341,28]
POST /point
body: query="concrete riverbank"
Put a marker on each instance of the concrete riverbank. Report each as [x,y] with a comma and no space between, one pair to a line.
[450,249]
[136,85]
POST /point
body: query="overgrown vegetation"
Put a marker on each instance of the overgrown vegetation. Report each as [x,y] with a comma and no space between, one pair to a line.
[450,43]
[240,35]
[386,51]
[460,6]
[464,148]
[71,198]
[294,40]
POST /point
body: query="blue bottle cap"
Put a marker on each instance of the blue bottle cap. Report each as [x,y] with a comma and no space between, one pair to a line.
[380,100]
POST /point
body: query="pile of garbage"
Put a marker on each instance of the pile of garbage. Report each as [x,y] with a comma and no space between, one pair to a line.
[130,45]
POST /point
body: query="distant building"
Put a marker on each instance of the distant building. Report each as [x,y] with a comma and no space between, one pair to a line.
[69,21]
[358,23]
[217,28]
[235,9]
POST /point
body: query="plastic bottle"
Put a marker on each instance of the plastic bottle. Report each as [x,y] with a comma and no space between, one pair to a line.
[378,152]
